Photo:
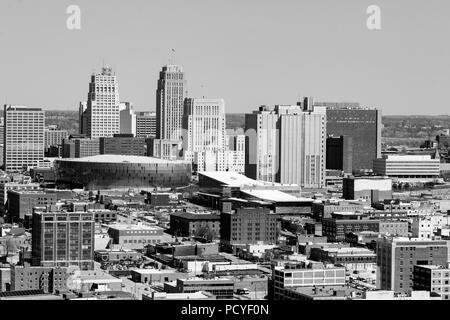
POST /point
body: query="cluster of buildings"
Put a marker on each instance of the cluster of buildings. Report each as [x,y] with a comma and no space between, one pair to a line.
[167,205]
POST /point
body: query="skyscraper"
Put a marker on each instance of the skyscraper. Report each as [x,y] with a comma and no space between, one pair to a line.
[82,121]
[169,103]
[262,144]
[23,137]
[204,139]
[204,125]
[287,145]
[363,125]
[62,239]
[103,116]
[127,118]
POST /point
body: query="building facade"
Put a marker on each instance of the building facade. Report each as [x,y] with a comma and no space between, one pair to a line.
[170,103]
[407,166]
[396,258]
[127,118]
[364,127]
[63,239]
[146,124]
[103,116]
[123,144]
[23,141]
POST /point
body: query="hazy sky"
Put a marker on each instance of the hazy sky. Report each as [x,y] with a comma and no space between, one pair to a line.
[249,52]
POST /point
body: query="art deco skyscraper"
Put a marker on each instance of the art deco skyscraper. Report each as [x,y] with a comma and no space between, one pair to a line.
[103,115]
[169,103]
[23,137]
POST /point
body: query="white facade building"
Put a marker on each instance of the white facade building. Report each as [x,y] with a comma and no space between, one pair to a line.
[23,138]
[204,138]
[287,145]
[103,116]
[407,166]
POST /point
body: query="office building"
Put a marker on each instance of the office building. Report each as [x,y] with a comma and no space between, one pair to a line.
[396,258]
[47,279]
[130,236]
[369,188]
[146,124]
[80,147]
[62,239]
[339,153]
[127,118]
[23,137]
[169,103]
[21,202]
[82,118]
[306,274]
[407,166]
[205,143]
[248,226]
[286,145]
[364,127]
[187,224]
[54,136]
[432,278]
[103,115]
[123,144]
[5,186]
[335,228]
[222,288]
[165,149]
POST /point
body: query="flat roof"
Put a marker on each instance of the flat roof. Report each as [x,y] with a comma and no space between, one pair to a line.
[113,158]
[275,195]
[123,226]
[231,178]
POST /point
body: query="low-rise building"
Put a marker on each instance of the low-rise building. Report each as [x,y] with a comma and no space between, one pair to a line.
[222,288]
[432,278]
[132,236]
[191,224]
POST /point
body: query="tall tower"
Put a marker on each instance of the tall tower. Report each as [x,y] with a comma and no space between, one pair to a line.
[286,145]
[23,137]
[169,103]
[103,115]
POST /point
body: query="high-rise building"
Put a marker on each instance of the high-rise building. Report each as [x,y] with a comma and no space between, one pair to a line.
[339,153]
[103,116]
[248,226]
[262,144]
[146,124]
[169,103]
[127,118]
[54,136]
[396,258]
[62,239]
[82,114]
[23,137]
[204,138]
[287,145]
[123,144]
[363,125]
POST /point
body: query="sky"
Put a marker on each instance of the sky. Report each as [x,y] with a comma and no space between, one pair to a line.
[248,52]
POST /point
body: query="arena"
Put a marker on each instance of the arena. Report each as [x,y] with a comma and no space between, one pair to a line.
[121,172]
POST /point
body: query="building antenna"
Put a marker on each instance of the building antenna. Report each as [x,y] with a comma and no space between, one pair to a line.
[202,90]
[172,56]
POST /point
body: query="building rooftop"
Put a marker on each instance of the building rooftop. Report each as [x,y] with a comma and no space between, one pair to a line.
[233,179]
[123,226]
[110,158]
[196,216]
[275,196]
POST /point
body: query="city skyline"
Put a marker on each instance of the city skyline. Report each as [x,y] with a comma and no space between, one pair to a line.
[370,67]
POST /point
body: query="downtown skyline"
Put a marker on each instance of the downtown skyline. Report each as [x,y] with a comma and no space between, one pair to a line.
[264,44]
